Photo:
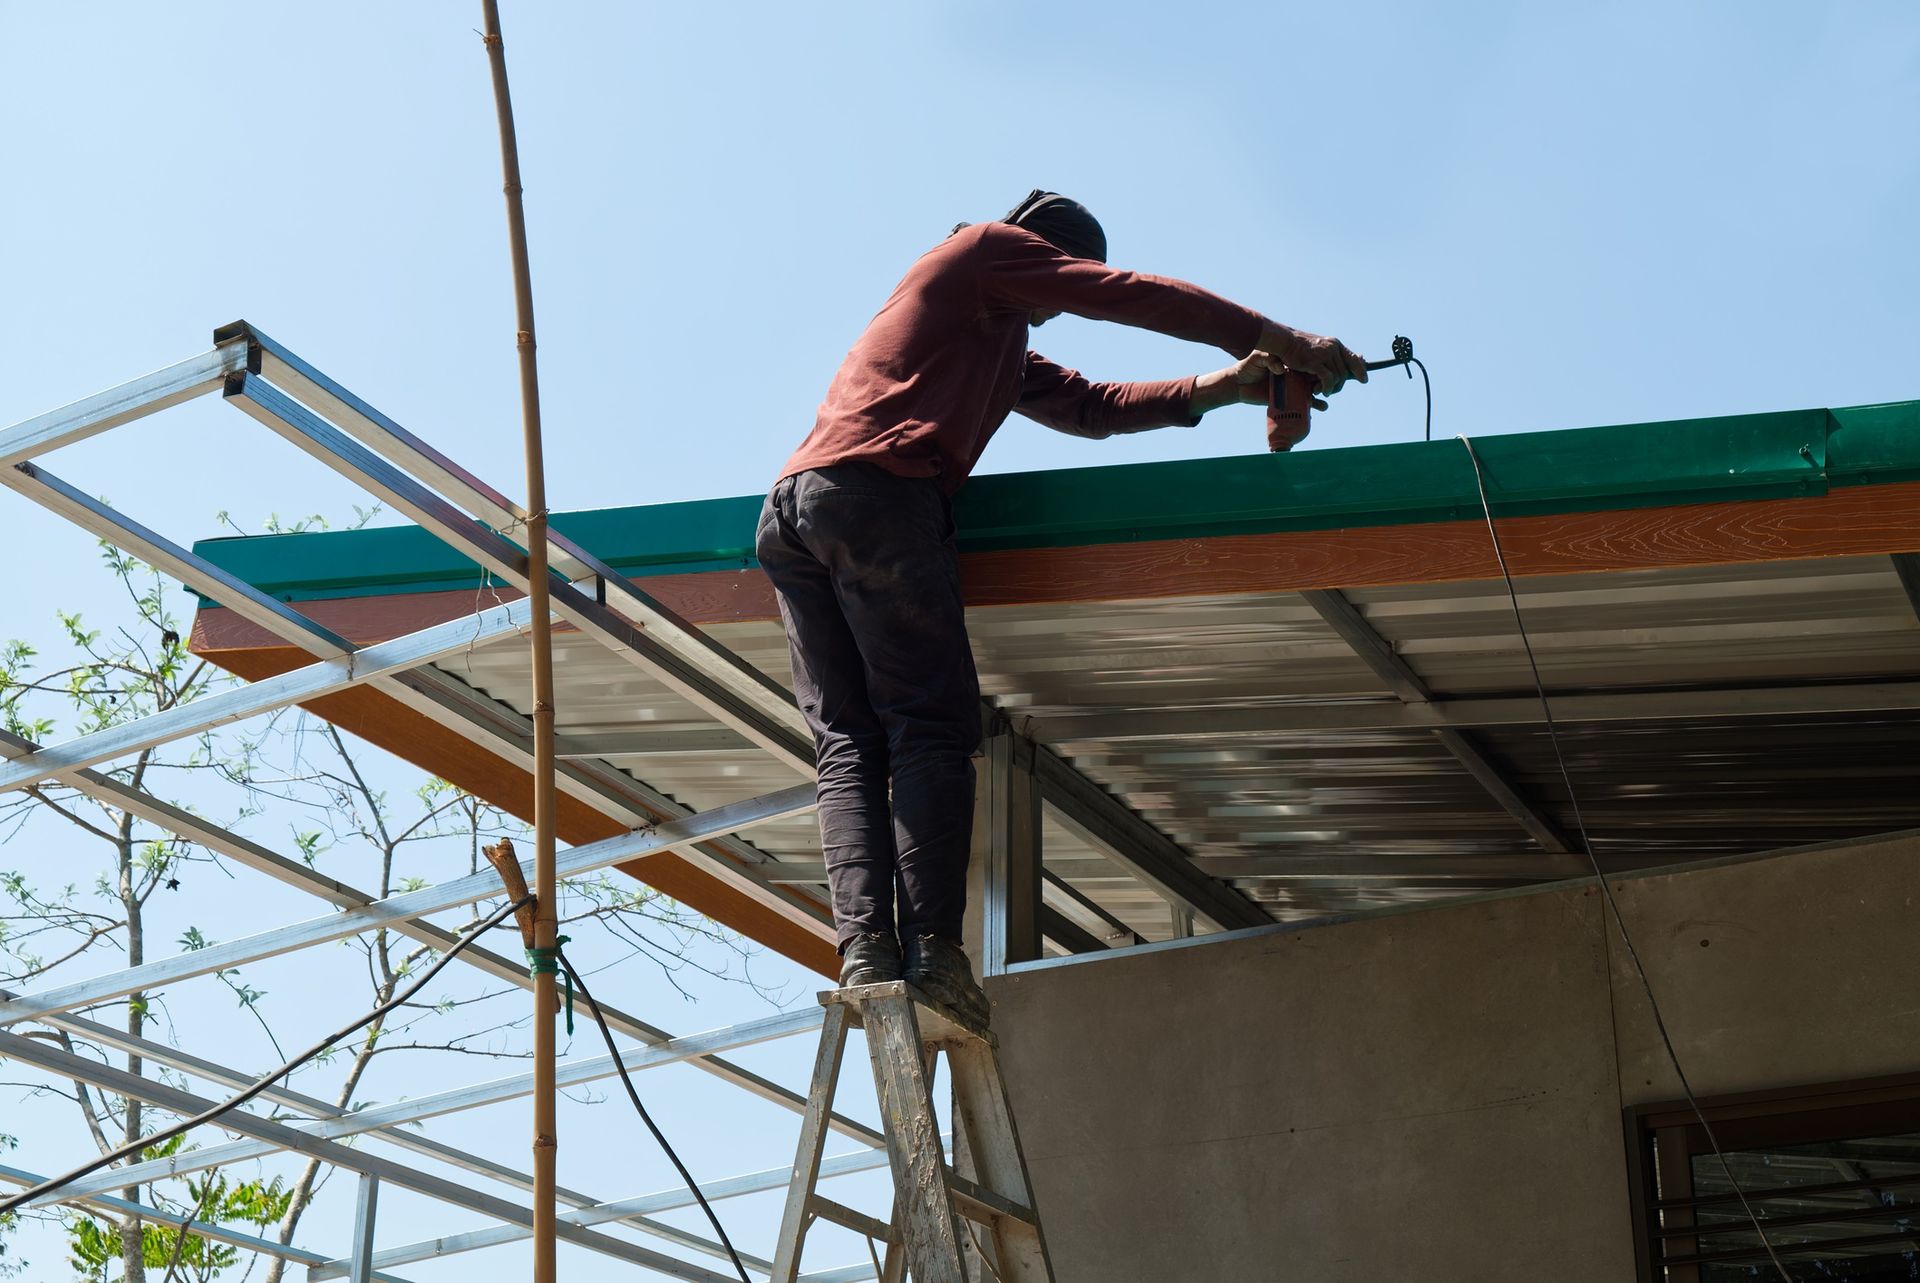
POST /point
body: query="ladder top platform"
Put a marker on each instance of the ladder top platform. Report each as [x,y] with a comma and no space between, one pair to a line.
[938,1023]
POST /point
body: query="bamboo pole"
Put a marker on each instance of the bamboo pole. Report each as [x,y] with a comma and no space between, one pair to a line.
[545,925]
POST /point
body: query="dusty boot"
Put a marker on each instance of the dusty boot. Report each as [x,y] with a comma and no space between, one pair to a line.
[870,960]
[939,968]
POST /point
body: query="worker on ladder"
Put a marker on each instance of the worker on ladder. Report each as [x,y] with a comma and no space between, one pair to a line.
[858,539]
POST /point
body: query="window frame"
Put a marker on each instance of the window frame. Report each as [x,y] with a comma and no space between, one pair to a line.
[1784,1116]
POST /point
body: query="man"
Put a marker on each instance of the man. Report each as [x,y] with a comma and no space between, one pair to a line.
[858,539]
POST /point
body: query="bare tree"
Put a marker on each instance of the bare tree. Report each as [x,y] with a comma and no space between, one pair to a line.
[339,802]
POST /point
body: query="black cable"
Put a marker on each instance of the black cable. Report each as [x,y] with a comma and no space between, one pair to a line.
[1425,383]
[632,1094]
[261,1084]
[1606,885]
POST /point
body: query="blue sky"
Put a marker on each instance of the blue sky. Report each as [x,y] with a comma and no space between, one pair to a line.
[1581,214]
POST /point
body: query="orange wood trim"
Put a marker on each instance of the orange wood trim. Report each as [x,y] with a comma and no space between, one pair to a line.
[1848,522]
[384,721]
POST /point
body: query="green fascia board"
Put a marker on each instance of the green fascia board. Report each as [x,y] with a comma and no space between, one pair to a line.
[1874,444]
[1783,454]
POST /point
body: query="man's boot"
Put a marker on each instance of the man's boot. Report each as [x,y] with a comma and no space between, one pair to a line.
[939,968]
[870,960]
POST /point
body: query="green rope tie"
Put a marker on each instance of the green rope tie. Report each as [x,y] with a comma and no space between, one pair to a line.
[546,962]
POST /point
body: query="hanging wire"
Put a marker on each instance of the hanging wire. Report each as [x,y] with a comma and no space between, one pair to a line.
[1606,884]
[634,1095]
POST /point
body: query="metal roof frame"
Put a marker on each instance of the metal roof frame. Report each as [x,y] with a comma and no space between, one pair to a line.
[346,434]
[711,678]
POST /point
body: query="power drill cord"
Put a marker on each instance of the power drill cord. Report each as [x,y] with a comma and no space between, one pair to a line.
[634,1096]
[1586,848]
[273,1076]
[1403,356]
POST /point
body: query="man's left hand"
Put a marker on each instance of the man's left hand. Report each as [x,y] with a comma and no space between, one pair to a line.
[1242,383]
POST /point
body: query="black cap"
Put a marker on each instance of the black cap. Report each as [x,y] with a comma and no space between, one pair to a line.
[1065,224]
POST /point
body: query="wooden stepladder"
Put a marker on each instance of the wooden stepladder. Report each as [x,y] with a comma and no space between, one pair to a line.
[969,1221]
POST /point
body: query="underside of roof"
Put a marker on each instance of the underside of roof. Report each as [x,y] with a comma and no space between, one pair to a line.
[1303,670]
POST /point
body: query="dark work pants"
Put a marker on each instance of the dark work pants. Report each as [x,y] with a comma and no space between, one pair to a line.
[864,566]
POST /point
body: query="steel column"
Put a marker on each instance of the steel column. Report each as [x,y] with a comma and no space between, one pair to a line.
[1007,835]
[366,1204]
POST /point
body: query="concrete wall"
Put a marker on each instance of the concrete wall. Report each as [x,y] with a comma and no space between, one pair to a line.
[1437,1094]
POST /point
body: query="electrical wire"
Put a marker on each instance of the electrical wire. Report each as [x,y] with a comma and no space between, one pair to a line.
[1606,885]
[261,1084]
[633,1095]
[1428,385]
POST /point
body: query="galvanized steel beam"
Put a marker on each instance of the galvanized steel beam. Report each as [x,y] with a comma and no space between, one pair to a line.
[399,908]
[262,355]
[1308,716]
[1097,816]
[392,443]
[1520,866]
[1341,615]
[117,405]
[296,874]
[390,1120]
[425,689]
[1119,934]
[198,1228]
[242,598]
[1068,934]
[55,1061]
[1907,566]
[645,1204]
[746,701]
[223,707]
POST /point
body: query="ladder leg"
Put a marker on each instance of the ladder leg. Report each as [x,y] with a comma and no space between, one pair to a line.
[982,1113]
[813,1139]
[923,1206]
[894,1270]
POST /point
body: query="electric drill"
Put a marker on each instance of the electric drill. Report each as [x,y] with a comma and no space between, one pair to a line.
[1290,398]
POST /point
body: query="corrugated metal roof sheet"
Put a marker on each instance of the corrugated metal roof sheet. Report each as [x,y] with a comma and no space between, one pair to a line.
[1241,727]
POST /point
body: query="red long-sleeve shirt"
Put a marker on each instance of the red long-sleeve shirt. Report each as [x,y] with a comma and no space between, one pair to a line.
[944,362]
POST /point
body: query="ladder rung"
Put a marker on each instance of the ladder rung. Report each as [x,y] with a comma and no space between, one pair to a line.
[840,1214]
[978,1203]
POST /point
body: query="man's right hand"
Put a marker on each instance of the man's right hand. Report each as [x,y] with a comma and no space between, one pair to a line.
[1328,360]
